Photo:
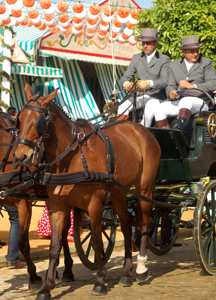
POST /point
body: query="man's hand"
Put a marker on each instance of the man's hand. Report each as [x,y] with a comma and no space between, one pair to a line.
[128,86]
[143,84]
[186,84]
[173,94]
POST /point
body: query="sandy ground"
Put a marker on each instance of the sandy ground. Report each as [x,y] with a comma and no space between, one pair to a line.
[37,243]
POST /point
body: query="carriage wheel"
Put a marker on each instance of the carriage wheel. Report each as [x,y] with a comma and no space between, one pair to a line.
[205,228]
[82,236]
[165,230]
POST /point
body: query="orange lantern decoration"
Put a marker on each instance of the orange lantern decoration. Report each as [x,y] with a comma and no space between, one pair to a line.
[77,20]
[113,34]
[7,21]
[28,3]
[101,38]
[102,22]
[45,4]
[30,24]
[16,13]
[17,23]
[2,9]
[117,23]
[62,6]
[109,11]
[54,30]
[78,7]
[68,31]
[133,16]
[129,25]
[132,40]
[78,28]
[92,21]
[33,14]
[123,12]
[11,1]
[90,31]
[101,32]
[43,27]
[94,9]
[48,17]
[25,22]
[38,24]
[63,17]
[53,25]
[125,37]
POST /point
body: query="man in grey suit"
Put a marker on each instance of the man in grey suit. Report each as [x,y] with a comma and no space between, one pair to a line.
[190,72]
[151,68]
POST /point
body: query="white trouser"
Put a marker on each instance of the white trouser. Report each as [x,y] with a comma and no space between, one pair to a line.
[150,104]
[171,108]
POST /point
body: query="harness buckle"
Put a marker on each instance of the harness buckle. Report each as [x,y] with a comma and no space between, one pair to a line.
[81,135]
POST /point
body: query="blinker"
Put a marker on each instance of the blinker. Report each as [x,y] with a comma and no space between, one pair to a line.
[41,123]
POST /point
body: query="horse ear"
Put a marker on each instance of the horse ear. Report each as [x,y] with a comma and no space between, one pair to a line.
[51,96]
[28,91]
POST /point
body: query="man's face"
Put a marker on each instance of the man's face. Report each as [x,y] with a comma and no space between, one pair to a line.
[149,47]
[191,55]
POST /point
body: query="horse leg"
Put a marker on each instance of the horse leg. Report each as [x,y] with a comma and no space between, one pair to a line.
[145,228]
[67,274]
[121,211]
[95,211]
[25,212]
[57,222]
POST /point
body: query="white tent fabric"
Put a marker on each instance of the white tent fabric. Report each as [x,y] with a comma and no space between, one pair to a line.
[105,75]
[74,95]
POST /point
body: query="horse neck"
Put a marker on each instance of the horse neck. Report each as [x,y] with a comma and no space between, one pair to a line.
[60,133]
[5,138]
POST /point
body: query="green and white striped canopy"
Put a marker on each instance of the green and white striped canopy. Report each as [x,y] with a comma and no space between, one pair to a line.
[39,75]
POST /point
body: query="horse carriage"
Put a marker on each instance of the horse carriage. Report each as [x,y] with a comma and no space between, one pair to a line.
[176,166]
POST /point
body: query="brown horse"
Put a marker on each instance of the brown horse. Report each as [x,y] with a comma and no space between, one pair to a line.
[24,207]
[137,158]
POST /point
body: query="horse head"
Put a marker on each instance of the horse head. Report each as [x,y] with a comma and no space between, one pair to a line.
[33,123]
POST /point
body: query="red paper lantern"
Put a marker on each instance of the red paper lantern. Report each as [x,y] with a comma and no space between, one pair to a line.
[33,14]
[45,4]
[2,9]
[123,12]
[25,21]
[63,17]
[68,31]
[79,34]
[48,17]
[94,9]
[54,24]
[62,6]
[28,3]
[78,7]
[79,28]
[101,32]
[109,11]
[16,13]
[11,1]
[129,25]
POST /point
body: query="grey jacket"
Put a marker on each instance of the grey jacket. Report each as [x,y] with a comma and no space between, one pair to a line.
[156,70]
[201,73]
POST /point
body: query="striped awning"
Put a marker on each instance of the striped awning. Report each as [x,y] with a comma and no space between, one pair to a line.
[39,74]
[88,58]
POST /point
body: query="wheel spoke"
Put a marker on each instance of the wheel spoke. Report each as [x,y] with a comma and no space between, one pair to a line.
[107,237]
[86,237]
[88,250]
[208,239]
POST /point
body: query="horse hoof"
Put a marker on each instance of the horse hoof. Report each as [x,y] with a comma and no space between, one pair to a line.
[99,290]
[142,277]
[68,277]
[126,281]
[36,286]
[46,296]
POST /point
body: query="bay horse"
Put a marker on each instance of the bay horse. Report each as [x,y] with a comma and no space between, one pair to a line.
[137,157]
[23,206]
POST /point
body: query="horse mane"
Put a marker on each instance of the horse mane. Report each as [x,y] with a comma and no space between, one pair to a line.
[62,110]
[79,122]
[82,123]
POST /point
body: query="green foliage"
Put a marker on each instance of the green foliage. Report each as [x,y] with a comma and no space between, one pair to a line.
[178,18]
